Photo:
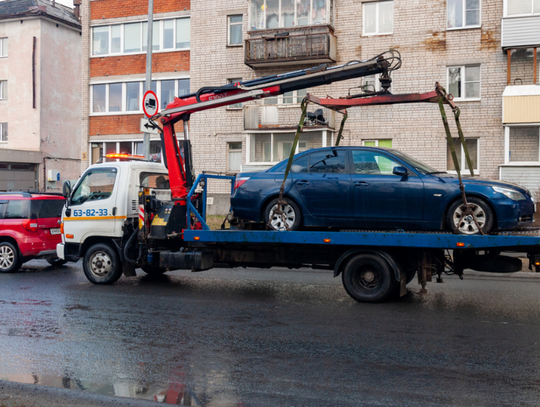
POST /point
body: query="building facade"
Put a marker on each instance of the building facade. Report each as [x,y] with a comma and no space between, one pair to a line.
[482,51]
[40,76]
[114,70]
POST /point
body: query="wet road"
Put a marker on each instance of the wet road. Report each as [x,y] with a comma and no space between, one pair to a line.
[272,338]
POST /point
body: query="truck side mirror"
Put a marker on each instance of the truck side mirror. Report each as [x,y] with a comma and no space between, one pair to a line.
[401,171]
[66,189]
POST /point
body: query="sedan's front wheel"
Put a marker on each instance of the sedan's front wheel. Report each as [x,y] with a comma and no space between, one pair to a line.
[285,216]
[461,222]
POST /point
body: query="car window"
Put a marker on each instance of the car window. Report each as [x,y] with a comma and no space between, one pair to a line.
[46,208]
[3,206]
[97,184]
[154,180]
[328,161]
[372,162]
[17,210]
[300,164]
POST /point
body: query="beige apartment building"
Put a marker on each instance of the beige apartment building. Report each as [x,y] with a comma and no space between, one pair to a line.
[40,95]
[482,51]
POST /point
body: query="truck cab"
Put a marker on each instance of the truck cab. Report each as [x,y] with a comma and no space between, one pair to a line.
[103,202]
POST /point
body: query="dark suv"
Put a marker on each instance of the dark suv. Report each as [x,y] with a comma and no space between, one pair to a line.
[29,228]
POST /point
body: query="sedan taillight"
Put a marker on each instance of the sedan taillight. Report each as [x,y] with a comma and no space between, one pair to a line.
[240,181]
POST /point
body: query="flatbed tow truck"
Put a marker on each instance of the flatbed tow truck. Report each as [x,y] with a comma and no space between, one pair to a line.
[118,219]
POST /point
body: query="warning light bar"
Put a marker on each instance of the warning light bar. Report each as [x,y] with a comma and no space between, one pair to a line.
[122,156]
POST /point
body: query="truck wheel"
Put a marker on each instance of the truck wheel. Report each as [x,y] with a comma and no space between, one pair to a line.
[10,261]
[367,277]
[153,270]
[291,215]
[465,225]
[101,265]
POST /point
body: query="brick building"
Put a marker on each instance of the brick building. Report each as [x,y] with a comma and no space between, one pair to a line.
[482,51]
[114,70]
[40,77]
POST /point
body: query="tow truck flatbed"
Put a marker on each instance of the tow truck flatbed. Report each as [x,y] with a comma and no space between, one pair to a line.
[431,240]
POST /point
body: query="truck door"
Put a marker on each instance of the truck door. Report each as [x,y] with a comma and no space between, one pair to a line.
[93,206]
[381,198]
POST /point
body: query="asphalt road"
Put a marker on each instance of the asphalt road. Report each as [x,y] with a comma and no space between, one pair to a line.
[265,338]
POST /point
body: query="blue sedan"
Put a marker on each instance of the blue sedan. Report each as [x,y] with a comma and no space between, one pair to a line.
[376,188]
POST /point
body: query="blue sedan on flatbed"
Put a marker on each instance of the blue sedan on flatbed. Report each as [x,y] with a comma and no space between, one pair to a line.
[376,188]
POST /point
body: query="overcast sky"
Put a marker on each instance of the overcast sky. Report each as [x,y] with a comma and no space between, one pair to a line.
[65,2]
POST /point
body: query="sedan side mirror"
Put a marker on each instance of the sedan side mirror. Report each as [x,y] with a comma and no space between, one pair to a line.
[401,171]
[66,189]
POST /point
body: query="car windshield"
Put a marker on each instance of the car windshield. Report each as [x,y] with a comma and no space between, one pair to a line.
[417,165]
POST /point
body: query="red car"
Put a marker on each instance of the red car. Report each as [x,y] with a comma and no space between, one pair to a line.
[29,228]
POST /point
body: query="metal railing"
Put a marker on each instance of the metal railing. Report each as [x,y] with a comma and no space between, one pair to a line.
[289,48]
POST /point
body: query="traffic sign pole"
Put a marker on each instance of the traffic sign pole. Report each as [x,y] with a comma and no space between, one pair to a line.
[149,46]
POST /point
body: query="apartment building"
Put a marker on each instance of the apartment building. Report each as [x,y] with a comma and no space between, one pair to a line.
[114,70]
[40,76]
[482,51]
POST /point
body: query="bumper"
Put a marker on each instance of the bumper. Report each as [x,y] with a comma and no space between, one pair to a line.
[60,251]
[514,214]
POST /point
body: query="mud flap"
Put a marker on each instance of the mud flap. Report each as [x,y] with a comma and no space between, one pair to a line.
[128,269]
[403,286]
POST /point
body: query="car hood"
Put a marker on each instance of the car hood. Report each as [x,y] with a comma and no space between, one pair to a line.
[468,180]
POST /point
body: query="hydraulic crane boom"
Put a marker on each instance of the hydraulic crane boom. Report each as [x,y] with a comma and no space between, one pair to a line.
[179,162]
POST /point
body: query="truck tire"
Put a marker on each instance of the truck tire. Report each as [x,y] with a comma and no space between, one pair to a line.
[101,264]
[368,278]
[10,260]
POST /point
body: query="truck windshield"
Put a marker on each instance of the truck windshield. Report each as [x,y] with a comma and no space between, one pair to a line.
[96,184]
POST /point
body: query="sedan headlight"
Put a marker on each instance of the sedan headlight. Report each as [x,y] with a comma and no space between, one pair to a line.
[510,193]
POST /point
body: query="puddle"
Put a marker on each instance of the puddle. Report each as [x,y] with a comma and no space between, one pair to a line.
[172,393]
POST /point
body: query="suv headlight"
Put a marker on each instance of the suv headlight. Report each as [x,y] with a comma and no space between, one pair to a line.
[510,193]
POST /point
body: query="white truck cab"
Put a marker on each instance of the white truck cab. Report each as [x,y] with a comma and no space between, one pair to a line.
[102,202]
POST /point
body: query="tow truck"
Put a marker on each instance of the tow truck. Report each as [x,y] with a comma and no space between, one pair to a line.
[124,215]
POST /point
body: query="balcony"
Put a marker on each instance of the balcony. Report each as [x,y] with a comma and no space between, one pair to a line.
[283,117]
[520,31]
[294,46]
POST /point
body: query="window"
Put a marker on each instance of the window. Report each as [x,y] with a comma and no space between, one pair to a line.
[463,13]
[96,184]
[521,7]
[372,83]
[3,132]
[128,38]
[122,97]
[235,105]
[269,14]
[274,147]
[328,162]
[472,147]
[3,47]
[99,149]
[234,162]
[3,89]
[378,17]
[17,209]
[296,96]
[524,144]
[372,163]
[235,30]
[378,143]
[154,180]
[464,82]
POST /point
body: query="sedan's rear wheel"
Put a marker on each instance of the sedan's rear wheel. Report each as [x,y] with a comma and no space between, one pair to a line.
[286,216]
[463,223]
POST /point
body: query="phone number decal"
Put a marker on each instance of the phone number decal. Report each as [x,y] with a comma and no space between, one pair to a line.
[90,212]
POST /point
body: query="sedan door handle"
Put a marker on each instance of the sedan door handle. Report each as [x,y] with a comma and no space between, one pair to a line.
[303,182]
[361,184]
